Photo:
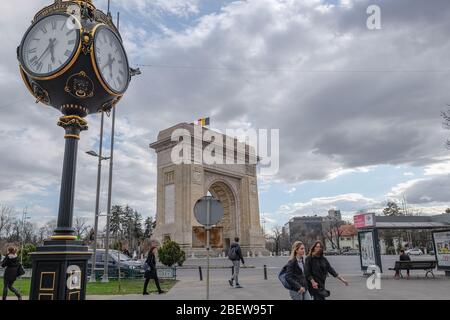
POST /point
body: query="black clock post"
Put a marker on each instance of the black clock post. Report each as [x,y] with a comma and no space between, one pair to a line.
[74,84]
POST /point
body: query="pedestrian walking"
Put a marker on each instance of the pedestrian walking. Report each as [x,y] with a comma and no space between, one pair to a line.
[235,255]
[317,268]
[295,273]
[151,272]
[13,269]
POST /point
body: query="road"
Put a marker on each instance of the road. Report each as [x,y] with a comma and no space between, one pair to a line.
[344,265]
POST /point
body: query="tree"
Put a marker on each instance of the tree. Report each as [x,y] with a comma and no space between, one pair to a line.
[27,249]
[115,223]
[276,236]
[392,209]
[171,253]
[446,116]
[81,226]
[5,218]
[332,231]
[150,225]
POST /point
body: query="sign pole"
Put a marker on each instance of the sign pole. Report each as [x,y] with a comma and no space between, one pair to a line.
[208,215]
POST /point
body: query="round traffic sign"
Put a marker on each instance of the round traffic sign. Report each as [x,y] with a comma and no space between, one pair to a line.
[208,217]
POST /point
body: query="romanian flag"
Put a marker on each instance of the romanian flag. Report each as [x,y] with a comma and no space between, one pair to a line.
[203,122]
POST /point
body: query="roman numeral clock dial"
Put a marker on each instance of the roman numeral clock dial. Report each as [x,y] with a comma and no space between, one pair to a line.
[110,61]
[49,46]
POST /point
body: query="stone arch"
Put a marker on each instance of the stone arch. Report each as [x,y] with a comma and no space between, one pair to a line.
[222,190]
[179,186]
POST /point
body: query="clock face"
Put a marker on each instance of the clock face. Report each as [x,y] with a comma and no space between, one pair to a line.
[49,45]
[111,60]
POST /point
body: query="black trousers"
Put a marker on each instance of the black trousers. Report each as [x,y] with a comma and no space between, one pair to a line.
[147,280]
[9,285]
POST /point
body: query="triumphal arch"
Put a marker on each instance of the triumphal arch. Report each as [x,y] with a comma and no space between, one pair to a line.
[193,161]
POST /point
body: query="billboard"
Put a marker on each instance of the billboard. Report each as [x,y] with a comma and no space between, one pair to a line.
[369,249]
[441,241]
[365,220]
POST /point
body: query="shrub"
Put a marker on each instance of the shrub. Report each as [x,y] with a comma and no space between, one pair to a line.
[171,253]
[28,248]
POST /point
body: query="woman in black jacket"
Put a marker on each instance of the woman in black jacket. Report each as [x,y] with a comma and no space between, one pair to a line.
[11,265]
[295,275]
[317,268]
[151,272]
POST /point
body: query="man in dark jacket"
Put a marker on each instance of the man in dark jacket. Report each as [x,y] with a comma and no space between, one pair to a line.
[11,264]
[403,257]
[235,255]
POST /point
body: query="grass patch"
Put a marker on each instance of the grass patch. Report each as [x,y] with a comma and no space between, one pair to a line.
[99,288]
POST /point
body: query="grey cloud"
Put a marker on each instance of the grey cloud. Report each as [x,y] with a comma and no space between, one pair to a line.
[327,120]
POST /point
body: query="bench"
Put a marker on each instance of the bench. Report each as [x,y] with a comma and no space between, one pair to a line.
[428,266]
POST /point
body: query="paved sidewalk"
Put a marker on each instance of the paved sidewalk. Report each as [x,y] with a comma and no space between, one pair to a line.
[416,288]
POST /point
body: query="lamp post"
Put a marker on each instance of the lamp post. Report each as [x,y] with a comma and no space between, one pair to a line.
[97,198]
[24,218]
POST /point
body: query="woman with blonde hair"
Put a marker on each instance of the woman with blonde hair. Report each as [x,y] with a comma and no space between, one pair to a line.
[295,273]
[11,265]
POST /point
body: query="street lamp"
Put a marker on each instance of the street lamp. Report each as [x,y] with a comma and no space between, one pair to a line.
[94,154]
[24,218]
[97,199]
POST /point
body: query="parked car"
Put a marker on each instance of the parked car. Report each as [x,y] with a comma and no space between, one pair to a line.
[351,252]
[332,252]
[414,252]
[431,252]
[127,264]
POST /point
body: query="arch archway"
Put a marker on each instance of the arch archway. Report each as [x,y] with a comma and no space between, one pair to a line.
[228,224]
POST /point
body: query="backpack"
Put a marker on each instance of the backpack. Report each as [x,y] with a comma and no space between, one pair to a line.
[232,255]
[282,278]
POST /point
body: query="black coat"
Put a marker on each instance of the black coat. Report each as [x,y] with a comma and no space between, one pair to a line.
[151,262]
[405,257]
[295,276]
[317,268]
[11,264]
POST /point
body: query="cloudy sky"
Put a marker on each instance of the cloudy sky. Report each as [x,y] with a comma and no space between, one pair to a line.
[358,109]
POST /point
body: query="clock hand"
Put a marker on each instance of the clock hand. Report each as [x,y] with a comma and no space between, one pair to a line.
[50,44]
[52,50]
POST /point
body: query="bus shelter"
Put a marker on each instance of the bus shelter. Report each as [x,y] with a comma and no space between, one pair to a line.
[369,224]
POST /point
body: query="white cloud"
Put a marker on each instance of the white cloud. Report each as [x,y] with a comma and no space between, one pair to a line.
[292,65]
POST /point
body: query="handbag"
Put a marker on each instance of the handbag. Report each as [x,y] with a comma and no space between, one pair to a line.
[323,293]
[20,270]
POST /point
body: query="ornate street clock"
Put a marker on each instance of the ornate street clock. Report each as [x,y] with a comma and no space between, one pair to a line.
[71,58]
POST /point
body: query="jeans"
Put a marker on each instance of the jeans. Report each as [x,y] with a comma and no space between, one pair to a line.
[236,266]
[9,285]
[295,295]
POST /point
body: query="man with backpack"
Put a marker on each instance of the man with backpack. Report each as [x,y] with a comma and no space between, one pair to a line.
[235,255]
